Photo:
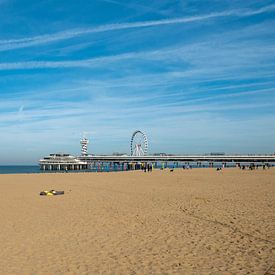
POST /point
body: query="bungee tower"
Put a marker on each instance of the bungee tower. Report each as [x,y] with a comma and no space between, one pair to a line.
[84,146]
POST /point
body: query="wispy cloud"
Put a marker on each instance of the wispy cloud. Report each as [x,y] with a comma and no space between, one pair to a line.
[68,64]
[69,34]
[43,119]
[190,54]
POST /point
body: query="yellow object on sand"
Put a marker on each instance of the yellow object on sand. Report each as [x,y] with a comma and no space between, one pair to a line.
[51,193]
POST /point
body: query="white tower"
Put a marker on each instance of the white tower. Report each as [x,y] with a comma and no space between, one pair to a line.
[84,146]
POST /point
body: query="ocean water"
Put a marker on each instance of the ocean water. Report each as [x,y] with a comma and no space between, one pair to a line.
[34,169]
[105,167]
[31,169]
[19,169]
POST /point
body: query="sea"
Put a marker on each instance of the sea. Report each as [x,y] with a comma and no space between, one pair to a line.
[34,169]
[19,169]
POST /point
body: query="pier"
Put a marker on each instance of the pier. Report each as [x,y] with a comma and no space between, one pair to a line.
[137,162]
[181,158]
[139,159]
[69,162]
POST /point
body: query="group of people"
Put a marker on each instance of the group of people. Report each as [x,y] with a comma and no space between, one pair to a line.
[252,166]
[147,167]
[186,166]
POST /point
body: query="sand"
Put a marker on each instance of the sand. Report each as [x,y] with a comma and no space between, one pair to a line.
[198,221]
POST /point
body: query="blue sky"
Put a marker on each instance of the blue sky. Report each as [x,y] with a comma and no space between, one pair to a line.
[196,76]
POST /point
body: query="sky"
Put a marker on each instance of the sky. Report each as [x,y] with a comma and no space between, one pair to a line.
[195,76]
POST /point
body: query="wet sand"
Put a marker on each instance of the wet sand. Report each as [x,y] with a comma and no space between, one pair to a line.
[198,221]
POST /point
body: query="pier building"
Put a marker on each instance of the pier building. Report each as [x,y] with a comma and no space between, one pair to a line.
[62,162]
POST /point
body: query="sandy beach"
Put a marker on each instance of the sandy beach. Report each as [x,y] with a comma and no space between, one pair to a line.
[198,221]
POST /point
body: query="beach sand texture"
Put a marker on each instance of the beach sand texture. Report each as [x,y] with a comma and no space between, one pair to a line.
[198,221]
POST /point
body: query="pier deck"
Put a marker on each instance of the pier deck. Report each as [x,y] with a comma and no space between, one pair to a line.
[68,162]
[182,158]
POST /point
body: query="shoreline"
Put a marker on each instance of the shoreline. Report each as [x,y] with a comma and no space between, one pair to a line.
[119,171]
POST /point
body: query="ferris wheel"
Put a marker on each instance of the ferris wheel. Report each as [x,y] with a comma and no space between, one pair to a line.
[139,144]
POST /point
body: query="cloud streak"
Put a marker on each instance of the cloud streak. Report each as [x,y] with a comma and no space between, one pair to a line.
[197,55]
[67,64]
[69,34]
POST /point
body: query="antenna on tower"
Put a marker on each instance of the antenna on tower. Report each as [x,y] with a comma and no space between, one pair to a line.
[84,144]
